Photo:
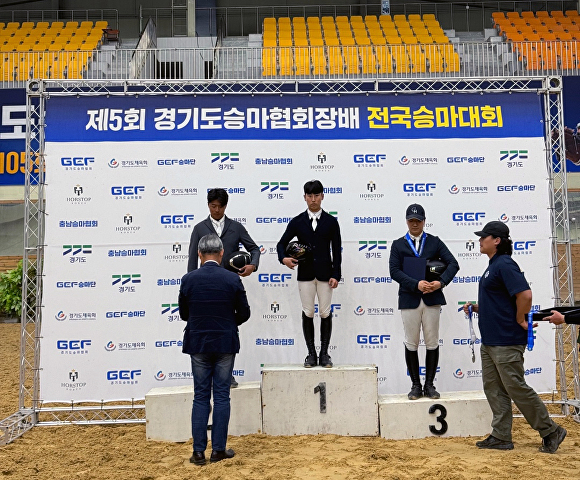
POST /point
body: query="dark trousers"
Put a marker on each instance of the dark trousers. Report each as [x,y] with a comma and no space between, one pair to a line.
[504,381]
[211,371]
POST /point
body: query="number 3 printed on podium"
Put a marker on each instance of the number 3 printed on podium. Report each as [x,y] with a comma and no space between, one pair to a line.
[440,418]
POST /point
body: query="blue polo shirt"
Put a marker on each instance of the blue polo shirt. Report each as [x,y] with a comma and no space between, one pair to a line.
[498,287]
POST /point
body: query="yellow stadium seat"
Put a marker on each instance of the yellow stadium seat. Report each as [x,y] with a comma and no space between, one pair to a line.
[352,61]
[332,41]
[286,61]
[316,41]
[302,57]
[269,62]
[335,61]
[318,61]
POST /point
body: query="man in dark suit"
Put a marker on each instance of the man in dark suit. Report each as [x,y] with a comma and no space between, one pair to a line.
[213,301]
[231,233]
[318,273]
[420,300]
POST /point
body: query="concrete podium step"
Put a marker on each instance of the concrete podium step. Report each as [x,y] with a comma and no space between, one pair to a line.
[168,412]
[455,414]
[341,400]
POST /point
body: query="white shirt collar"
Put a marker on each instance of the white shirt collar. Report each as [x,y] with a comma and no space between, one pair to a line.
[219,222]
[316,215]
[415,238]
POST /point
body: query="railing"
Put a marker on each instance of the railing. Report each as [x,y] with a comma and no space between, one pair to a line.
[147,41]
[111,15]
[242,21]
[172,21]
[299,63]
[461,16]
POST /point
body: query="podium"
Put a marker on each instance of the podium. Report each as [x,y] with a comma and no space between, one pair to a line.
[342,400]
[168,412]
[455,414]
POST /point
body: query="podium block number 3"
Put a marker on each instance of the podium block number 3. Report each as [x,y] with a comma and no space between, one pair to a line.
[321,388]
[440,418]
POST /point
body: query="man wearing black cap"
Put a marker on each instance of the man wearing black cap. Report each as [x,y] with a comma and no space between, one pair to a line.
[420,295]
[319,272]
[504,300]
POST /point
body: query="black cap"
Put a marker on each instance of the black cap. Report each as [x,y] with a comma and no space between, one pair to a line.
[415,211]
[495,228]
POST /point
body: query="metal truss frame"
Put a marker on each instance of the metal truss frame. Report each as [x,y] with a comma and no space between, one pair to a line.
[31,410]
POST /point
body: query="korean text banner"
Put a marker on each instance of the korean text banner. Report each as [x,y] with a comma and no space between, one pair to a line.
[120,214]
[293,117]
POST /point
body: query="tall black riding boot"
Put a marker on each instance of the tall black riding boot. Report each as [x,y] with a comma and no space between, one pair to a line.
[431,362]
[325,332]
[308,330]
[412,360]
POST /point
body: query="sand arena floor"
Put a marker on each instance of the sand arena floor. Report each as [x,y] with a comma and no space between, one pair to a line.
[121,452]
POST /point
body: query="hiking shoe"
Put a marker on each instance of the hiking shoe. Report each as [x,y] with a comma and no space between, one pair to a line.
[495,443]
[550,443]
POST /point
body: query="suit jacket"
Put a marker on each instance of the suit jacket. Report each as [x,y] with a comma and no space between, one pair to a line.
[213,301]
[232,235]
[324,263]
[409,295]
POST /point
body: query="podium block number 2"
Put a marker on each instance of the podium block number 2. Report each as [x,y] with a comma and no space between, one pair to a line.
[321,388]
[440,418]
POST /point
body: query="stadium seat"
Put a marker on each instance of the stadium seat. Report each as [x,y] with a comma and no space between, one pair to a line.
[319,64]
[352,61]
[269,62]
[302,61]
[286,61]
[335,61]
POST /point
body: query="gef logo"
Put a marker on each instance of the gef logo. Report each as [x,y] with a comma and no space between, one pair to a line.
[224,157]
[370,158]
[123,374]
[176,219]
[468,216]
[524,245]
[72,344]
[76,161]
[372,339]
[128,190]
[513,155]
[274,277]
[418,187]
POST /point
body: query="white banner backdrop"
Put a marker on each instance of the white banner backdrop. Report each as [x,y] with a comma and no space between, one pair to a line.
[120,212]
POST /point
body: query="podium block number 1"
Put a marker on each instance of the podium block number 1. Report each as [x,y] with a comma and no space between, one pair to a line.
[321,387]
